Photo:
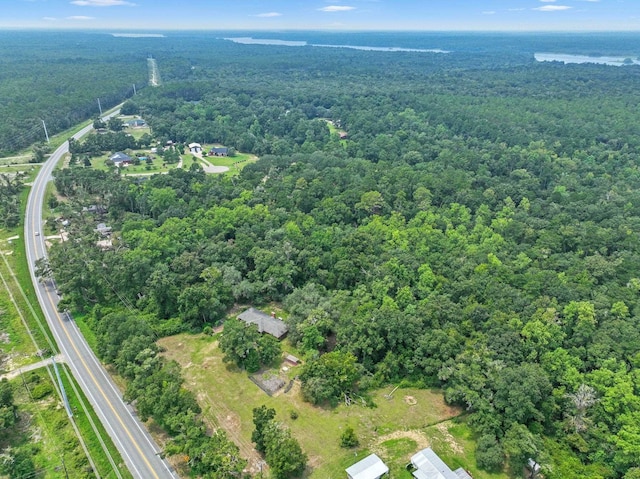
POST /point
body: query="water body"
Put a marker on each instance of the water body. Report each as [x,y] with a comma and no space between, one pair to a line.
[289,43]
[604,60]
[264,41]
[139,35]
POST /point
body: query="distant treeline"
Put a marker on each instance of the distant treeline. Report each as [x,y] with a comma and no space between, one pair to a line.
[58,78]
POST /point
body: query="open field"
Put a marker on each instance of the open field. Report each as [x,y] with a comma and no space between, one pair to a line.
[157,165]
[30,169]
[333,129]
[395,429]
[235,164]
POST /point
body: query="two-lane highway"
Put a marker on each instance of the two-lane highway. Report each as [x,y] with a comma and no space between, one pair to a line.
[138,449]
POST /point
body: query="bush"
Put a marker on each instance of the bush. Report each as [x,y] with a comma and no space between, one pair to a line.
[348,438]
[41,390]
[293,414]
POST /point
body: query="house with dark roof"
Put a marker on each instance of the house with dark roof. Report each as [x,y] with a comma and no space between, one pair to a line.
[121,159]
[219,151]
[428,465]
[266,324]
[371,467]
[137,123]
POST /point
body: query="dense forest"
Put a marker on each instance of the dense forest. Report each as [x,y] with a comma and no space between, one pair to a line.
[477,231]
[58,78]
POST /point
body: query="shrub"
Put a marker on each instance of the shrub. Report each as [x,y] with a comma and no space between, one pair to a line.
[348,438]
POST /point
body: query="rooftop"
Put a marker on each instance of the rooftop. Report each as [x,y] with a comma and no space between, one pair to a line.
[371,467]
[266,324]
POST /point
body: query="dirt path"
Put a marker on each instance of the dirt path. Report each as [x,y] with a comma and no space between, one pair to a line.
[229,421]
[31,367]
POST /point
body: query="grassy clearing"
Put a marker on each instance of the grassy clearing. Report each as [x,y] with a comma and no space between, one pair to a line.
[237,162]
[157,165]
[395,429]
[334,130]
[13,169]
[20,159]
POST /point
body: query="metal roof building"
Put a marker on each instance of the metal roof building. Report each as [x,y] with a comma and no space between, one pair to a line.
[429,466]
[371,467]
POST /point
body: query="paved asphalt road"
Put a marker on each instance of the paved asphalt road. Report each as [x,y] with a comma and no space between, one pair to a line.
[137,447]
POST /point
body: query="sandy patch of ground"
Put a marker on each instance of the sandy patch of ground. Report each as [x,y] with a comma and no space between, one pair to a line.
[449,439]
[410,400]
[419,437]
[214,169]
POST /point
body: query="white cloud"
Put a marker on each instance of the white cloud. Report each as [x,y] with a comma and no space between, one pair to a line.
[80,18]
[552,8]
[268,15]
[49,19]
[548,1]
[101,3]
[336,8]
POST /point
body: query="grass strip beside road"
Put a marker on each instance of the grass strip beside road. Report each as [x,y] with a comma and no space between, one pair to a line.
[103,451]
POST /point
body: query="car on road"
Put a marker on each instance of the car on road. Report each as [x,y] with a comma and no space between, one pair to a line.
[37,233]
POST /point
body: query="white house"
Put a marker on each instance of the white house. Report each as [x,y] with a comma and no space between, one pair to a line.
[429,466]
[371,467]
[195,148]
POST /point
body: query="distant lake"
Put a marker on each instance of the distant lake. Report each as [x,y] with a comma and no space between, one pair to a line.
[139,35]
[565,58]
[288,43]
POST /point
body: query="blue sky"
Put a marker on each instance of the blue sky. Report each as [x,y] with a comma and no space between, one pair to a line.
[508,15]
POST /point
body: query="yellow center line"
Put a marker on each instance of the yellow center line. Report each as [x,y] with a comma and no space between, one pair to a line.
[93,378]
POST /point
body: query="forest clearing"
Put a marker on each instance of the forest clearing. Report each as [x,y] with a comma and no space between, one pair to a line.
[395,428]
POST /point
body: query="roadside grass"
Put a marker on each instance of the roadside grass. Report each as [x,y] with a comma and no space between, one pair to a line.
[89,335]
[37,324]
[42,418]
[47,212]
[86,423]
[15,347]
[395,428]
[44,422]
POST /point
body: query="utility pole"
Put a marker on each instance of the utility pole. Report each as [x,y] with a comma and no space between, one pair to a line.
[45,130]
[66,474]
[99,107]
[134,89]
[62,391]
